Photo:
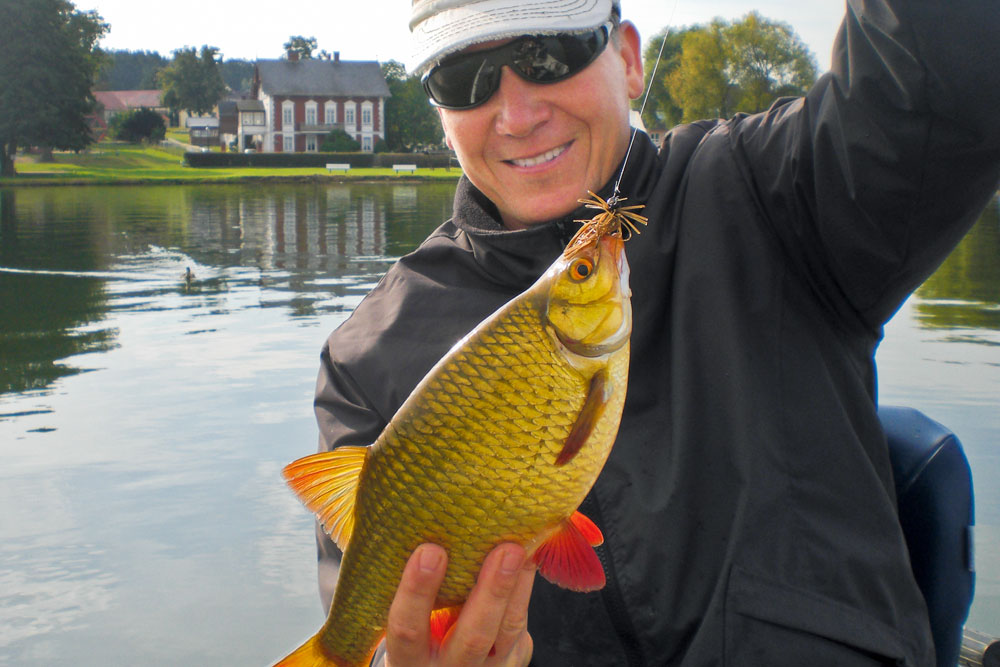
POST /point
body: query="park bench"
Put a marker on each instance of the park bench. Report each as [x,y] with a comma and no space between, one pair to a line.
[404,167]
[339,166]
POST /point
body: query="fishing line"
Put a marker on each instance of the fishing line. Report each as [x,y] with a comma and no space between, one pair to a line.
[649,87]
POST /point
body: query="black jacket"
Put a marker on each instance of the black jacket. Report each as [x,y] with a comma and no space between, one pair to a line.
[747,506]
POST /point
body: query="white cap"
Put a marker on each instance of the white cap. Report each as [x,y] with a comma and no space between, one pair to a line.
[440,27]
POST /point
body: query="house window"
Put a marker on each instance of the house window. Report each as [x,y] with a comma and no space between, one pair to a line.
[288,143]
[252,118]
[310,113]
[331,113]
[366,114]
[287,114]
[311,143]
[366,143]
[349,114]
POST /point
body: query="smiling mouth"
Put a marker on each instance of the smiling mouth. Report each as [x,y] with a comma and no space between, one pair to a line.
[540,159]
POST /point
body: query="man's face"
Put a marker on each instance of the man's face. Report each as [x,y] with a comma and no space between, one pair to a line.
[535,149]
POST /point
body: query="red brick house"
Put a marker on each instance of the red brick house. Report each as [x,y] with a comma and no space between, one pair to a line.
[303,100]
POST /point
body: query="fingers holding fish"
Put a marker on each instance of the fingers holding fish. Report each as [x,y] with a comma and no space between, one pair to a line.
[495,616]
[492,626]
[408,637]
[513,641]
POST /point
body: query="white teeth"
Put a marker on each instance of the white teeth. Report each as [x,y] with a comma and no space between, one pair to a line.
[539,159]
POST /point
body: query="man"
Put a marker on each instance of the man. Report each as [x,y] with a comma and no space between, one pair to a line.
[747,507]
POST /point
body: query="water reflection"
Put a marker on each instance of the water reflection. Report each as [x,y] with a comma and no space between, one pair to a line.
[964,293]
[198,391]
[76,254]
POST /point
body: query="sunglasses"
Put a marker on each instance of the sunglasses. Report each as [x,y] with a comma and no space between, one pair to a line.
[466,80]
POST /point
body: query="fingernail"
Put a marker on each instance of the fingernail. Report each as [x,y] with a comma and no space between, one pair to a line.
[511,562]
[429,559]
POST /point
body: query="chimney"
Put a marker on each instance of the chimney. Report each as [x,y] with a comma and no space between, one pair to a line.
[336,56]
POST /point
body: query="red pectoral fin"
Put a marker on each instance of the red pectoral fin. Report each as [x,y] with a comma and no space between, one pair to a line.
[567,558]
[593,408]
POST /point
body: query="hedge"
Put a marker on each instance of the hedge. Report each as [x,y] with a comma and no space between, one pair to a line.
[358,160]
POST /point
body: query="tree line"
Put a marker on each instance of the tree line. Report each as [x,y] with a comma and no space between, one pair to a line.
[50,63]
[722,68]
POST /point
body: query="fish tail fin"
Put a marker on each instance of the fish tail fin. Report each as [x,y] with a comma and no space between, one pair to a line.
[311,654]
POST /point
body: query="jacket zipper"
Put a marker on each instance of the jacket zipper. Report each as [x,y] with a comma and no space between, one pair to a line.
[611,594]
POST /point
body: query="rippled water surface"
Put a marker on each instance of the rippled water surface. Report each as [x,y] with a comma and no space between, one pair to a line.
[144,416]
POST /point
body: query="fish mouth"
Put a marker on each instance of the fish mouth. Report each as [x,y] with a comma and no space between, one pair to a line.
[541,158]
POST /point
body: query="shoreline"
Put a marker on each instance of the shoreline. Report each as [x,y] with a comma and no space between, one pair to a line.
[27,181]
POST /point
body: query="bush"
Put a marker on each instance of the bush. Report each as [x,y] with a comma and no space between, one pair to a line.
[278,160]
[140,125]
[338,141]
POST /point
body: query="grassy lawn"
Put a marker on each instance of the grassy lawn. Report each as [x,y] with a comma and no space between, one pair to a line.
[111,162]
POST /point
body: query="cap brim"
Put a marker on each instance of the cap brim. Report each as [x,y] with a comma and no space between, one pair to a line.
[440,27]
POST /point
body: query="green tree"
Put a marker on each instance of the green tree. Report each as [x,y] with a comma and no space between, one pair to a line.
[303,46]
[660,109]
[237,74]
[130,70]
[338,141]
[700,84]
[767,60]
[138,125]
[727,67]
[48,63]
[410,120]
[192,81]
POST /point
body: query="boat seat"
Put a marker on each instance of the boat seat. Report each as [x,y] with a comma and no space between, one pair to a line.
[934,491]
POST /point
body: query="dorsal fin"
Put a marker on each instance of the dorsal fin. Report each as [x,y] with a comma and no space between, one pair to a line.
[327,483]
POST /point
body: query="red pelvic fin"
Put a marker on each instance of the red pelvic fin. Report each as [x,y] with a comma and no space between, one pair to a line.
[567,558]
[588,529]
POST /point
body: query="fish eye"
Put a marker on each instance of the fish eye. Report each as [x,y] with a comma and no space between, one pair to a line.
[581,269]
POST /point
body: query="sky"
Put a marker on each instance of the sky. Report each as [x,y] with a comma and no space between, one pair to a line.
[377,29]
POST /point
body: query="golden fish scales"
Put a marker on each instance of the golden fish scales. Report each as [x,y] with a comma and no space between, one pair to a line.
[471,459]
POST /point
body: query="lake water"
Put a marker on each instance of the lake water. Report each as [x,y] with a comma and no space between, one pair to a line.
[144,419]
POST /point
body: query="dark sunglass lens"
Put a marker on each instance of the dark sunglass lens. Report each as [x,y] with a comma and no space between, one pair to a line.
[547,59]
[533,58]
[462,83]
[467,80]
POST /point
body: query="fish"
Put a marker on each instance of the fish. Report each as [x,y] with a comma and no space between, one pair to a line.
[499,442]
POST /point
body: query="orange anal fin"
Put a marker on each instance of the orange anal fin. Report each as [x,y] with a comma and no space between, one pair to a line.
[593,408]
[311,654]
[327,483]
[567,558]
[442,621]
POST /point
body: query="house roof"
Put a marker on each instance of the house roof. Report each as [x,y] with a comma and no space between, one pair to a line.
[345,78]
[123,100]
[250,105]
[202,121]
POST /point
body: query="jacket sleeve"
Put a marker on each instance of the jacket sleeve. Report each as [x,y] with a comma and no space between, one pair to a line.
[344,417]
[872,178]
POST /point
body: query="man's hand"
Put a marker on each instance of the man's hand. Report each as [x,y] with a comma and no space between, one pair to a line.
[494,618]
